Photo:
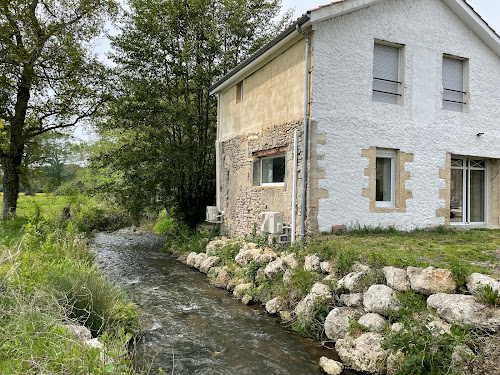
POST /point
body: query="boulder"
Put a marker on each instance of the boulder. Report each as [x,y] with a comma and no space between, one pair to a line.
[209,263]
[199,259]
[352,300]
[222,280]
[233,282]
[287,276]
[318,292]
[359,267]
[290,261]
[374,322]
[274,268]
[249,246]
[380,299]
[244,257]
[94,344]
[331,367]
[364,353]
[275,305]
[311,263]
[338,321]
[465,310]
[191,259]
[351,281]
[80,332]
[431,280]
[438,327]
[265,257]
[394,362]
[326,267]
[477,281]
[212,246]
[246,299]
[396,278]
[242,289]
[396,327]
[286,316]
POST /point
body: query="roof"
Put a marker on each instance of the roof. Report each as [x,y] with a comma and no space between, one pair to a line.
[461,8]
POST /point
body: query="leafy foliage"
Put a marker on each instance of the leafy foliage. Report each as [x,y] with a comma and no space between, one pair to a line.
[489,296]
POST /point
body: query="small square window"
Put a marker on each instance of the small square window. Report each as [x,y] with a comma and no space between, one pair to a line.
[454,83]
[386,75]
[385,178]
[269,171]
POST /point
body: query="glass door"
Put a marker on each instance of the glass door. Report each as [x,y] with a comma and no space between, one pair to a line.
[468,191]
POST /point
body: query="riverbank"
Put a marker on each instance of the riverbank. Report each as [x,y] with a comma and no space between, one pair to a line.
[380,318]
[59,314]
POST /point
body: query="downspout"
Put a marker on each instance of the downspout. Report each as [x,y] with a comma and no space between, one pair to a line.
[217,155]
[294,184]
[305,134]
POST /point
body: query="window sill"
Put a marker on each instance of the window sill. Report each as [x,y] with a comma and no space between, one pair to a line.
[269,186]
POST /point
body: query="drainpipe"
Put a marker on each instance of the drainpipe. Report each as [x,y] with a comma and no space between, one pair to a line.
[294,186]
[217,155]
[305,135]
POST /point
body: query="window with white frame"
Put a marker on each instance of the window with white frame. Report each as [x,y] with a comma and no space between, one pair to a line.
[385,178]
[454,93]
[386,74]
[239,92]
[269,171]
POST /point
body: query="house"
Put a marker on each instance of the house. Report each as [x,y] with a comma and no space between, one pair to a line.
[401,101]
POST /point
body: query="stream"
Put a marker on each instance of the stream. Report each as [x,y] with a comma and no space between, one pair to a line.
[193,328]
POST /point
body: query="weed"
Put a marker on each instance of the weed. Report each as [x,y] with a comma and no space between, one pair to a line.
[311,324]
[459,272]
[489,296]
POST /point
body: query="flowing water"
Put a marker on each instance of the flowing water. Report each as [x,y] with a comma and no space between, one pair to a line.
[193,328]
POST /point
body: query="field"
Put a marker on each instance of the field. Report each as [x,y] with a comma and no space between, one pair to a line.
[47,204]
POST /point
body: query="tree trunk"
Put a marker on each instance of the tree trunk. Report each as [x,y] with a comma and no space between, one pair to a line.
[11,172]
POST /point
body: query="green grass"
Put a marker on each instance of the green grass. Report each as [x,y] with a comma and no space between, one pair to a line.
[476,250]
[45,204]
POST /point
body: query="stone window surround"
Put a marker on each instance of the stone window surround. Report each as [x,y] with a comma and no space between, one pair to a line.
[257,159]
[401,194]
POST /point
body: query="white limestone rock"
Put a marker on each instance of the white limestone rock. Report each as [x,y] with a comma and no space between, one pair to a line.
[352,300]
[318,292]
[246,299]
[244,257]
[364,353]
[465,310]
[380,299]
[338,321]
[274,268]
[222,279]
[431,280]
[233,282]
[94,343]
[199,259]
[396,278]
[242,289]
[290,261]
[209,263]
[265,257]
[311,263]
[212,246]
[477,281]
[394,362]
[351,281]
[330,367]
[80,332]
[287,276]
[373,321]
[191,259]
[326,267]
[359,267]
[396,327]
[438,327]
[275,305]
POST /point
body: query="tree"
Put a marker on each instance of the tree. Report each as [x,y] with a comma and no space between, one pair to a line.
[159,135]
[49,78]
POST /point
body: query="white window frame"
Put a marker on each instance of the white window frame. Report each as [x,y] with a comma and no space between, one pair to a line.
[388,154]
[262,171]
[400,67]
[465,84]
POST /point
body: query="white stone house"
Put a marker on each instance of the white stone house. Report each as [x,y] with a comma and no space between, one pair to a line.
[401,102]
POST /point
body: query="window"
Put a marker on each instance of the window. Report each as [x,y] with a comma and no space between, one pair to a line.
[385,178]
[386,75]
[239,92]
[269,171]
[454,94]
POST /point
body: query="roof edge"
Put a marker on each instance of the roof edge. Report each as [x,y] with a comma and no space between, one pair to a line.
[260,52]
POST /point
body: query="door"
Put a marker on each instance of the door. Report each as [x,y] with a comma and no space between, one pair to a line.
[468,191]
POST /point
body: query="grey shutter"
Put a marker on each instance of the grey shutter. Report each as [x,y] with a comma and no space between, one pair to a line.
[385,69]
[453,84]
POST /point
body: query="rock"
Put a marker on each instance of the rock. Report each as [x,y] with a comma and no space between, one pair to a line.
[358,267]
[330,366]
[352,300]
[438,327]
[287,276]
[486,361]
[275,305]
[249,246]
[431,280]
[274,268]
[191,259]
[244,257]
[199,259]
[266,256]
[465,310]
[351,281]
[94,343]
[209,263]
[374,322]
[394,362]
[182,258]
[214,244]
[326,267]
[318,292]
[396,278]
[290,261]
[247,298]
[396,327]
[241,289]
[477,281]
[364,353]
[286,316]
[461,355]
[311,263]
[380,299]
[80,332]
[222,280]
[338,321]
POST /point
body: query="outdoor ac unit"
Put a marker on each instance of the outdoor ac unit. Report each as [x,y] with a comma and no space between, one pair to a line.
[213,214]
[271,222]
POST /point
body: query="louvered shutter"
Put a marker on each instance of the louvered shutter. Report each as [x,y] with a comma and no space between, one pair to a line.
[385,74]
[453,84]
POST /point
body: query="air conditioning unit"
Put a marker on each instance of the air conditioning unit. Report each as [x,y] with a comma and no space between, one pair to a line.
[271,222]
[213,215]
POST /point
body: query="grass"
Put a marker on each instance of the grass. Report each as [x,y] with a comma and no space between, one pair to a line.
[45,204]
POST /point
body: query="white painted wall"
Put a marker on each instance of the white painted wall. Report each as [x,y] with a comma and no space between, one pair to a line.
[344,110]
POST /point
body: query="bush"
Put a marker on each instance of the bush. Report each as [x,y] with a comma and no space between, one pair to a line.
[101,215]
